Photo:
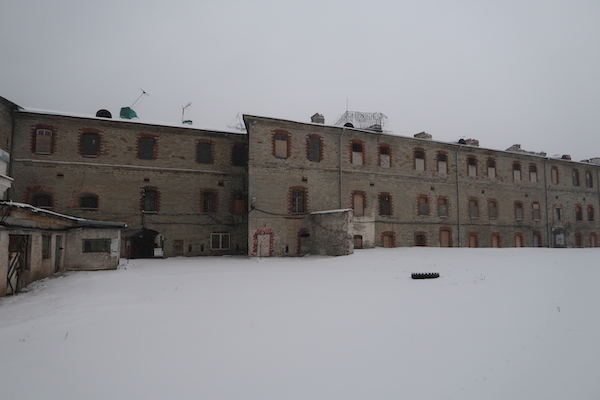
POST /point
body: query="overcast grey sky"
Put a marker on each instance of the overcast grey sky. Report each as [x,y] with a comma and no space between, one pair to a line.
[503,72]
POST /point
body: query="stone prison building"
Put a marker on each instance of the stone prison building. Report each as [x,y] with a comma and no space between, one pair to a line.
[286,188]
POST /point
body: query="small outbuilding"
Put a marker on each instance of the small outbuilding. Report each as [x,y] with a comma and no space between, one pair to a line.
[40,243]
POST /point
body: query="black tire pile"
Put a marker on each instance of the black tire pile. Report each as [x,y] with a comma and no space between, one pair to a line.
[425,275]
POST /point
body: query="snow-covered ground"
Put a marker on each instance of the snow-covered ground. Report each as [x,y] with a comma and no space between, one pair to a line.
[497,324]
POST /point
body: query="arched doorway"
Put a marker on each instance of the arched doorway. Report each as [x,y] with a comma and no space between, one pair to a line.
[144,243]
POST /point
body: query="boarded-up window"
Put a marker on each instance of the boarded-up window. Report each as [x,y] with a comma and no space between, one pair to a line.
[445,237]
[472,240]
[578,240]
[472,166]
[281,146]
[384,156]
[442,163]
[423,205]
[43,141]
[385,204]
[554,175]
[516,171]
[150,200]
[442,207]
[537,239]
[357,153]
[495,240]
[90,144]
[492,209]
[536,211]
[491,168]
[314,149]
[518,240]
[358,201]
[204,153]
[473,209]
[533,177]
[420,160]
[146,148]
[518,211]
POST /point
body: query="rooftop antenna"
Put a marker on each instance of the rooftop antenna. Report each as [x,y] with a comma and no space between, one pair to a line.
[144,93]
[185,121]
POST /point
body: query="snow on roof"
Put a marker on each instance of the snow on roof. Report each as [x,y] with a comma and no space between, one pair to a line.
[137,121]
[77,220]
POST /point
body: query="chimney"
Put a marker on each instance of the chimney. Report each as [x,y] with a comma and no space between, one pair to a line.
[317,119]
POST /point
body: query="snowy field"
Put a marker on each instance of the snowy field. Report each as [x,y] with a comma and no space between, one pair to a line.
[497,324]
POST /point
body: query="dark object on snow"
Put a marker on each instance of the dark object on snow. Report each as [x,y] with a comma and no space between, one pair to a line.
[425,275]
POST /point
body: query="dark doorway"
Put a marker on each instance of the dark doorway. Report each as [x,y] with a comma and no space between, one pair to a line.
[142,244]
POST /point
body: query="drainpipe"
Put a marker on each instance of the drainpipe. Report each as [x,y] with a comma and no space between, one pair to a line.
[10,190]
[341,172]
[548,231]
[458,197]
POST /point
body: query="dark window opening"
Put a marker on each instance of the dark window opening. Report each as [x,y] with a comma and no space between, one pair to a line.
[204,154]
[90,144]
[146,147]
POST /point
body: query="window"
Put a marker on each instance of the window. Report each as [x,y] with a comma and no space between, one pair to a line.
[420,239]
[281,145]
[473,209]
[442,207]
[43,141]
[492,209]
[420,159]
[516,171]
[575,175]
[219,241]
[42,200]
[593,239]
[537,239]
[385,204]
[445,237]
[442,159]
[590,213]
[518,211]
[423,206]
[238,155]
[385,155]
[358,203]
[298,200]
[46,246]
[357,156]
[208,201]
[473,239]
[314,148]
[150,199]
[518,240]
[536,211]
[589,179]
[578,240]
[578,213]
[88,200]
[90,144]
[146,148]
[495,239]
[533,177]
[554,178]
[96,245]
[491,168]
[204,153]
[471,166]
[557,213]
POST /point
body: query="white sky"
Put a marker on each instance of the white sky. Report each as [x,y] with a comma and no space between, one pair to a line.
[503,72]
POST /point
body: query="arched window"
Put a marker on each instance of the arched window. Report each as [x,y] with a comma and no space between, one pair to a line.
[42,200]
